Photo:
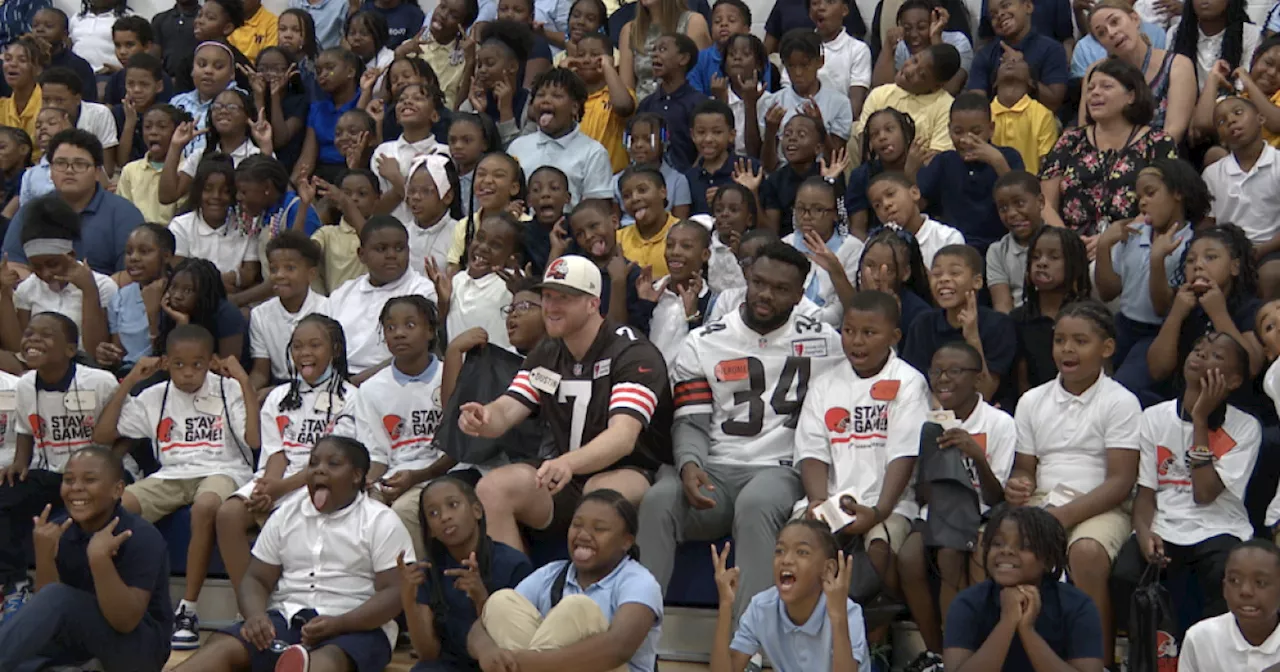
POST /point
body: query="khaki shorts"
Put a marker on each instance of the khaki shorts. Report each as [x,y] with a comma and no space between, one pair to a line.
[159,497]
[892,530]
[1109,528]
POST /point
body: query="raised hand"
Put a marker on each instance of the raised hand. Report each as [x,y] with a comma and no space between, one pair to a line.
[9,279]
[726,577]
[969,317]
[773,119]
[174,314]
[1213,391]
[261,129]
[720,87]
[836,584]
[468,580]
[440,278]
[746,175]
[689,293]
[836,167]
[105,543]
[646,288]
[822,255]
[183,135]
[46,535]
[354,154]
[370,79]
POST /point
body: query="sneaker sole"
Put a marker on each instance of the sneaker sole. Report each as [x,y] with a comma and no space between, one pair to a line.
[294,659]
[184,645]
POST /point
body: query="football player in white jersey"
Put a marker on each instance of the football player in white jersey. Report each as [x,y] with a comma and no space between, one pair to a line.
[739,386]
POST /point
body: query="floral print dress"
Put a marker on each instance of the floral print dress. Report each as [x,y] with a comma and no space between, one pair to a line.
[1098,187]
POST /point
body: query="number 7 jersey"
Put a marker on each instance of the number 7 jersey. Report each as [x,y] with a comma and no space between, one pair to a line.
[752,384]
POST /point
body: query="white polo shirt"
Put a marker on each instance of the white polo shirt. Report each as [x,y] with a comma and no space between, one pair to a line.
[271,328]
[1166,438]
[225,247]
[859,425]
[846,63]
[1070,435]
[329,561]
[8,417]
[404,152]
[1215,644]
[190,430]
[670,324]
[36,296]
[933,236]
[1250,200]
[397,417]
[91,38]
[430,242]
[478,302]
[246,149]
[62,422]
[357,304]
[98,120]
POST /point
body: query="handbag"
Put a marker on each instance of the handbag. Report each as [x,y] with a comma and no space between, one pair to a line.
[1153,644]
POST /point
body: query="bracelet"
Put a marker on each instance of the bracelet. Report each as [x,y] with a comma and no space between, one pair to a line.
[694,317]
[875,510]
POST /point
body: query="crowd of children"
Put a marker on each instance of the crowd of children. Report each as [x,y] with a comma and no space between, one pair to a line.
[867,305]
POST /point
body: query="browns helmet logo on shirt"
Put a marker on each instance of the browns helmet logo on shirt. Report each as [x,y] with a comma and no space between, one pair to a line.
[164,430]
[37,425]
[394,425]
[558,270]
[282,424]
[1164,460]
[838,420]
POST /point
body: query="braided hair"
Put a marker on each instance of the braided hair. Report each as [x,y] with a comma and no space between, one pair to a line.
[902,241]
[209,291]
[214,144]
[1092,311]
[423,305]
[1238,246]
[436,550]
[1038,531]
[521,194]
[1076,283]
[905,122]
[337,382]
[1188,35]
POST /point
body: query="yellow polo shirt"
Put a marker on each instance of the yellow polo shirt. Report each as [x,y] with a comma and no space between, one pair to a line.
[1272,139]
[1028,127]
[650,252]
[140,184]
[257,33]
[339,245]
[25,118]
[931,112]
[600,122]
[449,64]
[458,246]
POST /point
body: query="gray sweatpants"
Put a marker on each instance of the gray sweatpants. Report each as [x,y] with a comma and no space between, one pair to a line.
[752,503]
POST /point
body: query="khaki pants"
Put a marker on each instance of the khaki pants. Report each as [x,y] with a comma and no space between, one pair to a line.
[406,506]
[1109,528]
[516,625]
[159,497]
[892,530]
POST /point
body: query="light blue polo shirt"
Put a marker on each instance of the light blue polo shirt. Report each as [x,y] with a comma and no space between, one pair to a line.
[837,116]
[329,15]
[582,159]
[765,626]
[1131,258]
[628,582]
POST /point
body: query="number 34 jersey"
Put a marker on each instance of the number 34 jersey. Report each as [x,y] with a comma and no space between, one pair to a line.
[752,384]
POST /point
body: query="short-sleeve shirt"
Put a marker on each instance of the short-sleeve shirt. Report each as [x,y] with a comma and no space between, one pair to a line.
[1070,434]
[1131,259]
[398,416]
[622,373]
[931,331]
[1244,315]
[356,305]
[196,435]
[954,38]
[142,562]
[59,415]
[628,583]
[507,568]
[1216,643]
[931,112]
[846,63]
[271,328]
[403,21]
[174,31]
[1007,265]
[601,123]
[582,159]
[701,179]
[788,14]
[1068,623]
[765,627]
[959,192]
[1098,186]
[127,318]
[1028,127]
[323,119]
[1249,199]
[677,191]
[37,296]
[226,248]
[1048,17]
[105,225]
[837,115]
[676,109]
[329,15]
[644,251]
[778,192]
[98,120]
[1045,57]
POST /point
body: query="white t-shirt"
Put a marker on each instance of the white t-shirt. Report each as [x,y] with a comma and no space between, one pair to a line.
[8,417]
[98,120]
[1166,438]
[404,153]
[857,426]
[246,149]
[846,63]
[357,304]
[997,433]
[190,430]
[398,421]
[271,328]
[933,236]
[1070,435]
[478,302]
[749,427]
[1215,644]
[1209,47]
[430,242]
[62,422]
[818,287]
[337,576]
[226,248]
[1249,200]
[36,296]
[322,411]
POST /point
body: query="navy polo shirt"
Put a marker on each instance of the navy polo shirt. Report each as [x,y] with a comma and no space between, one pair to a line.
[778,192]
[639,311]
[403,21]
[174,30]
[115,91]
[855,196]
[139,147]
[537,245]
[507,568]
[700,180]
[959,192]
[1045,57]
[105,225]
[931,331]
[789,14]
[1068,623]
[913,306]
[323,119]
[1048,17]
[677,109]
[142,562]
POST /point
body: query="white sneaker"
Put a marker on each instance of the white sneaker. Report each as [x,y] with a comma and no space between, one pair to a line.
[186,630]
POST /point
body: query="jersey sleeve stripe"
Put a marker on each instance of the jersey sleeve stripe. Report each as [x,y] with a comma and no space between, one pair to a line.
[696,391]
[521,386]
[635,393]
[646,404]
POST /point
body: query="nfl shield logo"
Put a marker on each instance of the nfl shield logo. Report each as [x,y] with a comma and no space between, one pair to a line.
[762,343]
[577,369]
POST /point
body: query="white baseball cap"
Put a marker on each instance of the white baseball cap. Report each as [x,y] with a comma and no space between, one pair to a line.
[573,273]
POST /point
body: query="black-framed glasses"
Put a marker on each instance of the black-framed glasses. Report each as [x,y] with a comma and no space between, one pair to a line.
[520,308]
[952,372]
[813,212]
[70,166]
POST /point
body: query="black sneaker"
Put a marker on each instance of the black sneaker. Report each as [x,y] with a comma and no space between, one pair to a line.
[927,661]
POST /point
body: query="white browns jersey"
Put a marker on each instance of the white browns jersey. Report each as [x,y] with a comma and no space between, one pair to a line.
[752,384]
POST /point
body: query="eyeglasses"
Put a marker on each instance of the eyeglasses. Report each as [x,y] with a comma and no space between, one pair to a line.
[520,308]
[68,166]
[813,212]
[226,107]
[953,372]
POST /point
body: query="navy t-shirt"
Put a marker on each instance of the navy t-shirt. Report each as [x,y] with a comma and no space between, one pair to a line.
[959,193]
[507,568]
[403,21]
[142,562]
[1068,622]
[931,331]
